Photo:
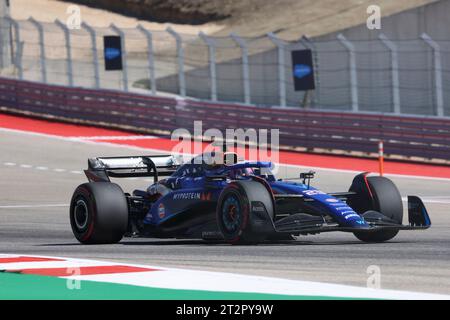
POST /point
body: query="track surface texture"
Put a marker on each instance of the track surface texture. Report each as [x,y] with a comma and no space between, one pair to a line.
[39,174]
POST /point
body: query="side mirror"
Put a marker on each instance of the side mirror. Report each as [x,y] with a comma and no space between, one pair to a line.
[307,176]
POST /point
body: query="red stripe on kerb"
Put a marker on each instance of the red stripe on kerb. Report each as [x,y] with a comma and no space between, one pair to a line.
[82,271]
[27,259]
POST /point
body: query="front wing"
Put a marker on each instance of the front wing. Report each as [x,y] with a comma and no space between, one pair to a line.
[303,224]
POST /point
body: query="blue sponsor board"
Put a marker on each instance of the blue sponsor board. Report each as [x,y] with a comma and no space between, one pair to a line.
[303,70]
[113,53]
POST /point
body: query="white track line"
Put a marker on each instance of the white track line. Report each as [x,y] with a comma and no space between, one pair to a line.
[61,170]
[34,206]
[41,168]
[430,200]
[393,175]
[119,138]
[164,151]
[434,199]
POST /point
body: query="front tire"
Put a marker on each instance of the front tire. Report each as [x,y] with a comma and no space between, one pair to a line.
[233,214]
[377,194]
[99,213]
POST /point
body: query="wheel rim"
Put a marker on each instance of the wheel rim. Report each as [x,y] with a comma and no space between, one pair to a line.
[231,214]
[81,214]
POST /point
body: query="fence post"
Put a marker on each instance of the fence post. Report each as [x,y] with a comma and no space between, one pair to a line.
[212,64]
[281,46]
[43,63]
[180,54]
[395,71]
[151,60]
[6,57]
[93,36]
[66,31]
[121,34]
[18,60]
[19,47]
[245,66]
[437,73]
[353,73]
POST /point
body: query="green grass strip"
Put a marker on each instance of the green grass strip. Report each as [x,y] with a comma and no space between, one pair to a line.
[30,287]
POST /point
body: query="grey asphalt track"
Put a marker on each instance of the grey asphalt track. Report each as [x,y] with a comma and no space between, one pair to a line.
[39,174]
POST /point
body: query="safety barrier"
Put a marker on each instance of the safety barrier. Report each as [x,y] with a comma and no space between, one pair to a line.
[405,136]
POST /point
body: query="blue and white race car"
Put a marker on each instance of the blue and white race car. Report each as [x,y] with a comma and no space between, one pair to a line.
[231,200]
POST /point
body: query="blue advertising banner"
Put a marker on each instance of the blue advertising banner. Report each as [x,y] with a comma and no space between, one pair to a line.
[113,53]
[303,70]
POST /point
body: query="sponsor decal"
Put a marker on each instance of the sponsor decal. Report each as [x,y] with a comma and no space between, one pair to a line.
[187,196]
[353,215]
[339,205]
[258,208]
[112,53]
[161,211]
[206,196]
[313,192]
[344,208]
[212,234]
[302,70]
[331,200]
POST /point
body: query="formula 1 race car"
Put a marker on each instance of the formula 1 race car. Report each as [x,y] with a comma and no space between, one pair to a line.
[231,200]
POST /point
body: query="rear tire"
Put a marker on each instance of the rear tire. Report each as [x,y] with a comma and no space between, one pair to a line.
[99,213]
[378,194]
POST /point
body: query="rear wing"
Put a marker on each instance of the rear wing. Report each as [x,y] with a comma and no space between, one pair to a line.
[101,169]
